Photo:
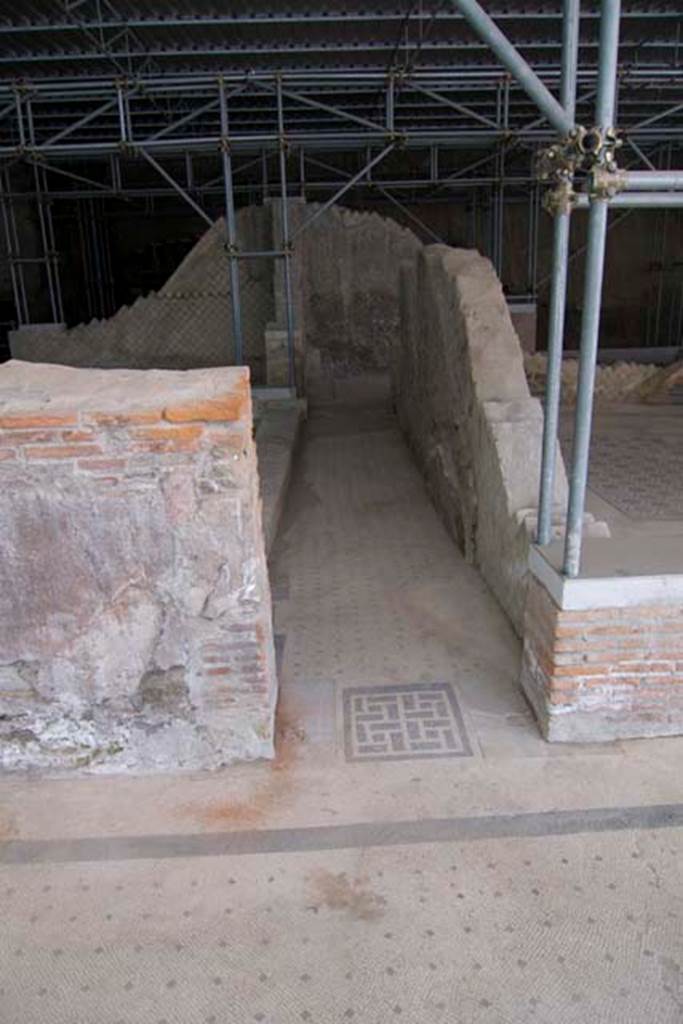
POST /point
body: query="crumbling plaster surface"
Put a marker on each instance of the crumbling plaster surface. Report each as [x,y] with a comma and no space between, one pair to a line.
[350,269]
[135,619]
[464,404]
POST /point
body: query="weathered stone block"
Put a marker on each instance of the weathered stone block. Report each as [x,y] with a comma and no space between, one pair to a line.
[135,623]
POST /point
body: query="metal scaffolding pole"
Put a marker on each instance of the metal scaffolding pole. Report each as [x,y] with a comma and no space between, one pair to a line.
[46,230]
[650,181]
[592,295]
[344,189]
[285,240]
[53,256]
[558,289]
[511,59]
[176,186]
[16,268]
[637,200]
[231,227]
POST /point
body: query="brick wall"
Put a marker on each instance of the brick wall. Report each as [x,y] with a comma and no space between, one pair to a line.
[603,673]
[135,627]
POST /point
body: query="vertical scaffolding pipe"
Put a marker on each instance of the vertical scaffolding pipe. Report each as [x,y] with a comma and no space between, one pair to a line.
[571,10]
[390,103]
[53,256]
[20,118]
[231,227]
[123,118]
[501,176]
[531,212]
[264,175]
[285,242]
[592,295]
[14,252]
[96,257]
[558,292]
[46,233]
[15,269]
[558,289]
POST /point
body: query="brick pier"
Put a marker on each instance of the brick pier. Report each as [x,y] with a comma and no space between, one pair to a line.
[612,668]
[135,622]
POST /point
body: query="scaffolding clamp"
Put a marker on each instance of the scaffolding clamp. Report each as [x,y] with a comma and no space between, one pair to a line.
[560,199]
[559,161]
[605,184]
[598,148]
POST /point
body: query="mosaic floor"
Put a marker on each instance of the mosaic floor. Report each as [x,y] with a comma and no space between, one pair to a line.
[418,720]
[415,854]
[636,464]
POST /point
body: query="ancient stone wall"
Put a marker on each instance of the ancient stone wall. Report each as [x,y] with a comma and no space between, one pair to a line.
[135,619]
[349,264]
[465,407]
[187,323]
[345,291]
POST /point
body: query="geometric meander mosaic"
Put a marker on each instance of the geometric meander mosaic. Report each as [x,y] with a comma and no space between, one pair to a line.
[396,723]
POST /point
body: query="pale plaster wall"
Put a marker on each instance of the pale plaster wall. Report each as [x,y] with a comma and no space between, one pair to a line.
[465,407]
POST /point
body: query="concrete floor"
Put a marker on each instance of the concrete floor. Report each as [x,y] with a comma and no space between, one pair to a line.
[416,853]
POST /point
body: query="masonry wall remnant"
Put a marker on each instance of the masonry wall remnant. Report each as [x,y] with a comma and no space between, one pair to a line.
[345,292]
[135,618]
[187,324]
[464,404]
[350,271]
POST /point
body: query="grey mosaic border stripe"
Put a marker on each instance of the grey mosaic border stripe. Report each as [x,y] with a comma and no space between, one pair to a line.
[339,837]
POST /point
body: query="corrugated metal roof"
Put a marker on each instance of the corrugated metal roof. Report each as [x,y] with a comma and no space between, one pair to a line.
[37,40]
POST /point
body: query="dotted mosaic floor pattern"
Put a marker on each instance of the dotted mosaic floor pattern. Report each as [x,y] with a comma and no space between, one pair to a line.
[398,722]
[637,471]
[525,931]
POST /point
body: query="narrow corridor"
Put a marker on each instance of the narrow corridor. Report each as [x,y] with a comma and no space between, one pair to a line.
[369,589]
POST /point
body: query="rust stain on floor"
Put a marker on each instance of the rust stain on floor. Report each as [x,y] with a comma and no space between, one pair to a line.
[268,793]
[348,895]
[8,828]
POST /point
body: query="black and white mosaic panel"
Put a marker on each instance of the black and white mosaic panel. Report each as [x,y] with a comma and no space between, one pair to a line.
[392,723]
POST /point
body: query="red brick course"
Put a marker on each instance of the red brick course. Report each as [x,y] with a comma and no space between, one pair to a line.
[101,442]
[618,665]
